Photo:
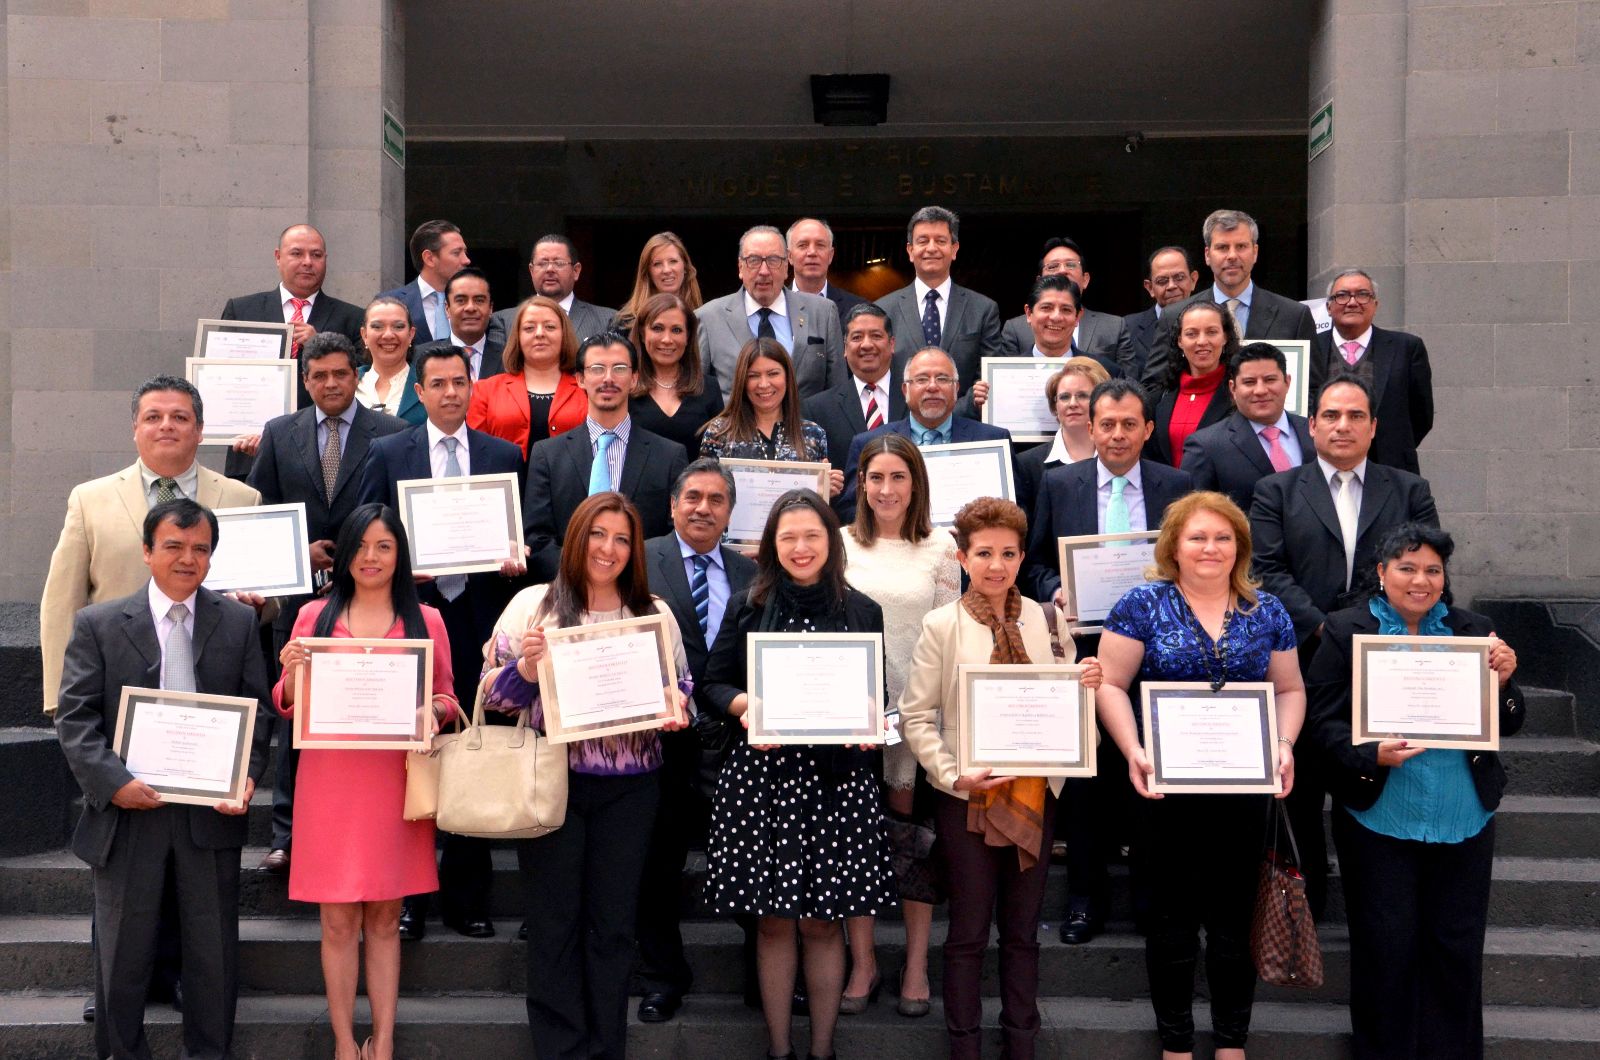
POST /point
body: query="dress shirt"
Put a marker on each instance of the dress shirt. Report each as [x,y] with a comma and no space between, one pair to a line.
[879,394]
[1156,307]
[475,350]
[921,290]
[160,604]
[1242,314]
[432,302]
[820,294]
[348,418]
[781,328]
[367,390]
[1357,483]
[188,482]
[1059,454]
[1286,438]
[566,306]
[437,453]
[942,430]
[1364,340]
[286,300]
[1072,350]
[717,587]
[1132,496]
[618,453]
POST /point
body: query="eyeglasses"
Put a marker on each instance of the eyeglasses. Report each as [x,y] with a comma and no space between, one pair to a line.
[755,261]
[1347,297]
[550,263]
[600,371]
[922,381]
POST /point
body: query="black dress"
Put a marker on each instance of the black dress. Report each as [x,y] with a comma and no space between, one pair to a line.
[682,426]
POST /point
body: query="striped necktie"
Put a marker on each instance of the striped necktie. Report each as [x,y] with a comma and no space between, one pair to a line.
[700,589]
[874,414]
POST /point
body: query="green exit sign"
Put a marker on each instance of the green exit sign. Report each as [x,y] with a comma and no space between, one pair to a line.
[1319,134]
[394,138]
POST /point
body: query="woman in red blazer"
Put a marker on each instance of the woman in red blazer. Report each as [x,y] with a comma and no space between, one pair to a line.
[537,396]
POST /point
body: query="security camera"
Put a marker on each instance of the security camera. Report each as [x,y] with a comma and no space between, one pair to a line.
[1132,142]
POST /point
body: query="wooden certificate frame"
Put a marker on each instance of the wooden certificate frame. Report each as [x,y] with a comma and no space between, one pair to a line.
[240,711]
[968,679]
[1363,646]
[207,346]
[559,726]
[1261,697]
[418,738]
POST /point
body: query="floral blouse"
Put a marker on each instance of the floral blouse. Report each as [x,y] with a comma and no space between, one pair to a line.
[1176,646]
[813,444]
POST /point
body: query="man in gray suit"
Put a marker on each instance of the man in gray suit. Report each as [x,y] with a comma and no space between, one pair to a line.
[1100,335]
[169,634]
[807,325]
[554,269]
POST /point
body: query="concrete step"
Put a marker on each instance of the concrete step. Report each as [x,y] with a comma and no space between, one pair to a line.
[1551,765]
[1547,825]
[1551,712]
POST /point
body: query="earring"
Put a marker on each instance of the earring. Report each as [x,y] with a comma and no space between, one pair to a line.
[1381,589]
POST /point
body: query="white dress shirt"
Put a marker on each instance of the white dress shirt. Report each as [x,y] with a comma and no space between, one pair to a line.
[1132,496]
[285,298]
[921,290]
[1364,340]
[160,604]
[1059,454]
[475,350]
[1286,438]
[782,330]
[438,454]
[879,393]
[718,588]
[432,304]
[1357,489]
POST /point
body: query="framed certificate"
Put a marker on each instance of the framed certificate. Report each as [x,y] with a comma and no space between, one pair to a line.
[1297,352]
[1017,400]
[1096,569]
[1428,691]
[607,678]
[461,525]
[815,688]
[246,340]
[760,483]
[240,396]
[965,471]
[190,747]
[359,694]
[265,549]
[1025,721]
[1202,741]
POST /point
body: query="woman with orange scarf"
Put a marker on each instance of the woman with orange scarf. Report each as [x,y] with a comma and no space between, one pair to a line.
[993,832]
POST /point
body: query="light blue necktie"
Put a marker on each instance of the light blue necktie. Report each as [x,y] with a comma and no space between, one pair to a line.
[600,470]
[451,585]
[177,673]
[441,321]
[930,436]
[1117,520]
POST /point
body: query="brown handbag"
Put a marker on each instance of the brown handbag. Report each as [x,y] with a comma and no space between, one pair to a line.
[1283,939]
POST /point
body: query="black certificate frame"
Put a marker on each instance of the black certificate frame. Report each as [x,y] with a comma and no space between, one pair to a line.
[1153,693]
[133,698]
[1364,645]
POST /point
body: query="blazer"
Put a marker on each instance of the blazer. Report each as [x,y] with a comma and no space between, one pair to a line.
[1297,547]
[1031,465]
[1402,391]
[818,352]
[410,408]
[961,430]
[1272,316]
[114,645]
[1159,447]
[669,581]
[499,407]
[490,365]
[1067,507]
[837,411]
[928,706]
[327,312]
[558,481]
[586,320]
[1353,774]
[1100,335]
[100,554]
[1227,456]
[971,330]
[1141,335]
[411,295]
[842,300]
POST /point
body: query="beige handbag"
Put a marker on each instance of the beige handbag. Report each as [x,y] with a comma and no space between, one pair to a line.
[500,781]
[422,777]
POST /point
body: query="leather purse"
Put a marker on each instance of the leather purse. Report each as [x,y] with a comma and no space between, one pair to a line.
[422,777]
[1283,938]
[501,781]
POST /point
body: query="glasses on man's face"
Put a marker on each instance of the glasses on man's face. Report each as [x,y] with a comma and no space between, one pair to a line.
[551,263]
[1348,297]
[755,261]
[1054,267]
[922,382]
[600,371]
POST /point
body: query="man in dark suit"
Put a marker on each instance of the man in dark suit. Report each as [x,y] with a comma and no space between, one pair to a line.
[468,307]
[1052,313]
[554,268]
[868,397]
[962,322]
[170,634]
[691,570]
[1170,278]
[1393,363]
[810,253]
[1099,335]
[929,386]
[605,452]
[1258,438]
[1315,531]
[1232,242]
[445,447]
[438,252]
[313,457]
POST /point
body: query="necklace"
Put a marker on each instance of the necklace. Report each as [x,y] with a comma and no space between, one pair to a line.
[1216,660]
[666,386]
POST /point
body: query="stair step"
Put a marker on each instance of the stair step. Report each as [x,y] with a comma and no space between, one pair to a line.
[1551,712]
[1551,765]
[1546,825]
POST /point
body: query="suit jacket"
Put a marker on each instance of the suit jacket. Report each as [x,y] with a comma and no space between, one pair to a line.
[818,352]
[410,408]
[1297,547]
[558,481]
[1067,507]
[961,430]
[1272,316]
[669,581]
[1353,774]
[971,329]
[115,645]
[838,411]
[1159,447]
[491,364]
[500,407]
[843,300]
[1031,465]
[100,554]
[1402,392]
[1228,457]
[1141,335]
[586,320]
[1099,335]
[411,295]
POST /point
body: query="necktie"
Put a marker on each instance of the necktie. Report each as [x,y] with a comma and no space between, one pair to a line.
[930,318]
[930,436]
[700,589]
[331,454]
[450,585]
[600,470]
[166,489]
[299,317]
[764,329]
[1344,502]
[1275,450]
[874,414]
[1352,351]
[177,671]
[1117,519]
[1233,311]
[441,321]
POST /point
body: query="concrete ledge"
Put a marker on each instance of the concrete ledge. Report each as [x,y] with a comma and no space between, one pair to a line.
[1558,646]
[36,789]
[21,695]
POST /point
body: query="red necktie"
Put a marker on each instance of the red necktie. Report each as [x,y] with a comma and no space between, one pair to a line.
[874,413]
[1275,450]
[298,318]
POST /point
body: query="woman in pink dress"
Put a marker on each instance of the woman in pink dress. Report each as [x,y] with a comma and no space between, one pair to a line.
[355,854]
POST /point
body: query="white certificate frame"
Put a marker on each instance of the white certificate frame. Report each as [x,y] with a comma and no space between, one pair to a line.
[556,729]
[1038,371]
[1297,353]
[968,675]
[1152,693]
[133,698]
[998,449]
[1066,548]
[870,731]
[277,376]
[406,490]
[421,736]
[807,474]
[295,528]
[1487,737]
[205,328]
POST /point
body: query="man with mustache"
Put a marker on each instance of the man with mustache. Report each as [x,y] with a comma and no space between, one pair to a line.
[467,306]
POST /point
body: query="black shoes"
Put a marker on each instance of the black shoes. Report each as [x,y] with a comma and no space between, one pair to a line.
[522,932]
[658,1007]
[88,1009]
[413,926]
[472,929]
[1079,927]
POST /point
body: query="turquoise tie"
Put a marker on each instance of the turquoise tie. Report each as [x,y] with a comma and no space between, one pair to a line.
[1117,521]
[600,471]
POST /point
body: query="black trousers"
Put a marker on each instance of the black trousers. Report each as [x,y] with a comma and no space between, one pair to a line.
[683,816]
[1418,913]
[582,884]
[1205,857]
[1091,818]
[1305,804]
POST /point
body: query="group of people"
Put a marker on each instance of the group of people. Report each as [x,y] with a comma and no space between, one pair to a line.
[1279,538]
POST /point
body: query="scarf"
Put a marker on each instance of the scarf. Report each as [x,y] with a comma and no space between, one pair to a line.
[1391,624]
[1013,813]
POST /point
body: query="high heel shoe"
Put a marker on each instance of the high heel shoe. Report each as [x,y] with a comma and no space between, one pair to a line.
[855,1005]
[910,1007]
[366,1049]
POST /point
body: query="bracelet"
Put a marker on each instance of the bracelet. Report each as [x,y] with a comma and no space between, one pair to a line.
[1286,742]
